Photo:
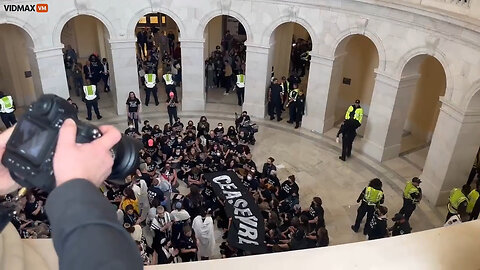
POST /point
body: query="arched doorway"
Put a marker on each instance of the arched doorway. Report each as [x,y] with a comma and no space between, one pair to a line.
[225,57]
[422,84]
[158,52]
[353,77]
[289,56]
[19,76]
[87,50]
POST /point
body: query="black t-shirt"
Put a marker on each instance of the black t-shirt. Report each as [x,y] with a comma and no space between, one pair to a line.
[151,167]
[273,180]
[147,129]
[314,212]
[187,242]
[288,189]
[156,133]
[133,105]
[147,178]
[112,194]
[155,192]
[130,132]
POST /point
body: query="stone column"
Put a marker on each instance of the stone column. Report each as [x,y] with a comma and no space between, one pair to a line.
[257,79]
[383,119]
[51,69]
[193,75]
[452,152]
[319,80]
[123,72]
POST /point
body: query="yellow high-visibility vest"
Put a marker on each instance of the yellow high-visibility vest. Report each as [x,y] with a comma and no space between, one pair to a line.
[472,200]
[372,196]
[168,79]
[90,92]
[241,81]
[456,198]
[358,113]
[409,190]
[150,80]
[6,104]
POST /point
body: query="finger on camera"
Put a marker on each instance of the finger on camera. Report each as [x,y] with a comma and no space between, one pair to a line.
[110,137]
[4,136]
[68,133]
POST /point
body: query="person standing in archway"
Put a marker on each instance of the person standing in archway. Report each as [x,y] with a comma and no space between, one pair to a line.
[475,169]
[105,75]
[90,98]
[151,81]
[275,98]
[291,104]
[169,82]
[355,111]
[300,108]
[7,109]
[349,132]
[240,87]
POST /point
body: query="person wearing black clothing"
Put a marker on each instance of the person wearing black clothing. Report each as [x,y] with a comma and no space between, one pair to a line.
[349,132]
[151,90]
[133,109]
[75,106]
[188,245]
[315,214]
[300,108]
[268,167]
[288,189]
[275,98]
[105,74]
[95,69]
[172,108]
[166,254]
[203,127]
[369,202]
[378,224]
[401,225]
[294,80]
[131,131]
[87,71]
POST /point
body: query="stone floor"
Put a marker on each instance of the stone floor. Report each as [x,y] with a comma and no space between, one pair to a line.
[312,158]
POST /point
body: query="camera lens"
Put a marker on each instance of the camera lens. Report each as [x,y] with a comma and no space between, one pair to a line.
[126,159]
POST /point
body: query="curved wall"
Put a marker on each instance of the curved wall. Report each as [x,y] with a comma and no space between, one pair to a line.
[400,30]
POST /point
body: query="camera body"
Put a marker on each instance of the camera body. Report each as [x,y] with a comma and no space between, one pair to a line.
[31,147]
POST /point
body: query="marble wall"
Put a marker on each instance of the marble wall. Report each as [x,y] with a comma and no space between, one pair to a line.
[399,32]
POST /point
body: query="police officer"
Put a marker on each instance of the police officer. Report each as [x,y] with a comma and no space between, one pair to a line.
[292,98]
[355,112]
[412,194]
[300,108]
[370,197]
[275,98]
[169,83]
[473,207]
[401,226]
[151,81]
[7,109]
[90,98]
[457,203]
[240,87]
[349,131]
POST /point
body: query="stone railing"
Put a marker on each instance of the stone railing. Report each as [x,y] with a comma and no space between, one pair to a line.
[454,247]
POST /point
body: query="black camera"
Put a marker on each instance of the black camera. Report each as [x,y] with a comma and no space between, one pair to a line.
[31,147]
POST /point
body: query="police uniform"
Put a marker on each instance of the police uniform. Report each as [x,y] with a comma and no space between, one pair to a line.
[7,110]
[411,197]
[300,109]
[456,199]
[291,105]
[169,83]
[91,100]
[370,198]
[240,88]
[151,88]
[356,113]
[349,132]
[275,103]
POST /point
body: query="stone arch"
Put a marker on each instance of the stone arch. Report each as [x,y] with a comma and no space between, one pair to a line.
[208,17]
[438,55]
[25,26]
[371,36]
[267,34]
[472,98]
[57,31]
[137,15]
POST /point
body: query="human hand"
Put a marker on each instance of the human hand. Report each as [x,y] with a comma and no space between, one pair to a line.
[7,184]
[337,140]
[90,161]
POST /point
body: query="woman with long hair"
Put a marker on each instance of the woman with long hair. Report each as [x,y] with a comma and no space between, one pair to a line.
[134,108]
